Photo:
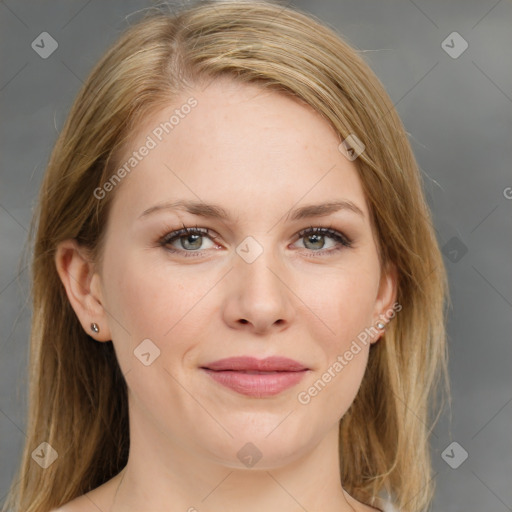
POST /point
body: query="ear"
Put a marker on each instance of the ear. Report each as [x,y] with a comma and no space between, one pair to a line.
[83,288]
[385,308]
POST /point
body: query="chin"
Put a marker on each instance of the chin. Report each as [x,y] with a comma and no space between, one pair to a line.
[252,449]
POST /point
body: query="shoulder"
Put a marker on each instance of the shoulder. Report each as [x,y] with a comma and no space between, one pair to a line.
[98,499]
[93,501]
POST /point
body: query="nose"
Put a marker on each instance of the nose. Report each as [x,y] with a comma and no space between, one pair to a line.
[259,297]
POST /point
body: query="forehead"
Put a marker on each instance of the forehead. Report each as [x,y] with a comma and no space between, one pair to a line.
[240,145]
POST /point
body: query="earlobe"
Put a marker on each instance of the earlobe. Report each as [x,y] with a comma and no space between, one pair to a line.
[77,274]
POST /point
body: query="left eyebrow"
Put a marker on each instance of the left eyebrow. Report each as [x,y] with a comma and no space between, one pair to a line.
[217,212]
[323,209]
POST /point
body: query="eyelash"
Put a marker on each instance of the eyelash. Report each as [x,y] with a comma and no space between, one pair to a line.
[342,239]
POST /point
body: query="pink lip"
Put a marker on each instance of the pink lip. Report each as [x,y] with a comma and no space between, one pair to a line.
[256,377]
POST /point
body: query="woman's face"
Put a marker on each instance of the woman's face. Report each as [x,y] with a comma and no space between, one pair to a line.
[248,286]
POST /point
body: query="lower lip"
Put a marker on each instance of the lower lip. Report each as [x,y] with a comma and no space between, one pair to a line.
[257,385]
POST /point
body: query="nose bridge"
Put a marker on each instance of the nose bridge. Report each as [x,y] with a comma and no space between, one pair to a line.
[257,263]
[260,296]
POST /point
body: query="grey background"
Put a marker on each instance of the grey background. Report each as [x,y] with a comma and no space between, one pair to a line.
[458,113]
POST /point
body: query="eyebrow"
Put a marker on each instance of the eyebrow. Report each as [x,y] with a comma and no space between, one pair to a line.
[217,212]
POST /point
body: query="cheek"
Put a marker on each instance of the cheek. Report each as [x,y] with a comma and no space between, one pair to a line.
[154,304]
[331,390]
[162,303]
[344,303]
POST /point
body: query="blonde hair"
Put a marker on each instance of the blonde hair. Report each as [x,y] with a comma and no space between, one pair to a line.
[77,393]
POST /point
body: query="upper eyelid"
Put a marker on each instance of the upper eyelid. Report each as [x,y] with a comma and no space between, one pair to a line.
[184,230]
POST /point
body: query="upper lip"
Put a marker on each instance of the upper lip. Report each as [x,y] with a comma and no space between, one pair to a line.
[247,363]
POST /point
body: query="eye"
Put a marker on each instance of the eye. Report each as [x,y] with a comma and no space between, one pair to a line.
[187,240]
[315,239]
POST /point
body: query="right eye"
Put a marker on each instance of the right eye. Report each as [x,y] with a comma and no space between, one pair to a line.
[190,239]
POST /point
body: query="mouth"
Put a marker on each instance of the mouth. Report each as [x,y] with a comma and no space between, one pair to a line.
[256,377]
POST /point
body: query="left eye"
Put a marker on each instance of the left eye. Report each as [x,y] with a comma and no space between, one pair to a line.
[191,239]
[317,236]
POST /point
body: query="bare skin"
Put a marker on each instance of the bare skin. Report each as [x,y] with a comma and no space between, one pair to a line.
[258,155]
[102,499]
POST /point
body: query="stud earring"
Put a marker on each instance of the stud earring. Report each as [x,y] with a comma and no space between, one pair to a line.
[381,326]
[94,327]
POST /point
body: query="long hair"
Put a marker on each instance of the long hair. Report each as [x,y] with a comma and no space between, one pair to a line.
[77,394]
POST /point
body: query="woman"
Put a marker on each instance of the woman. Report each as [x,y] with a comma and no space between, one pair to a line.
[238,297]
